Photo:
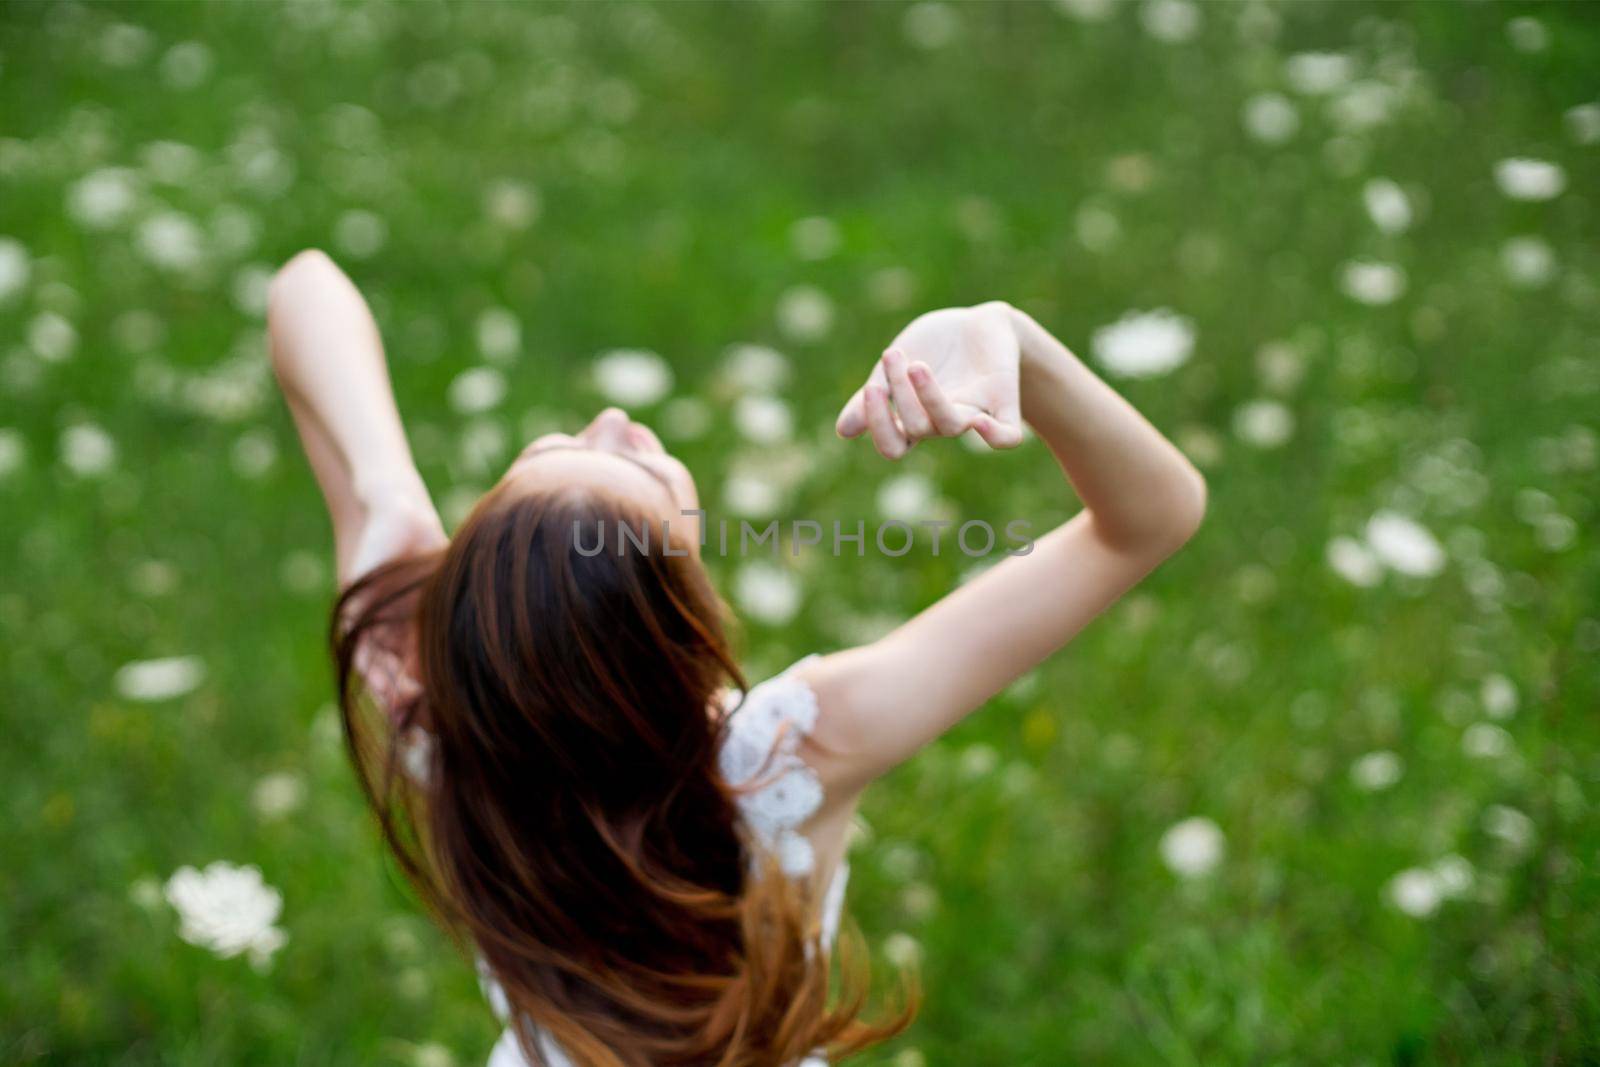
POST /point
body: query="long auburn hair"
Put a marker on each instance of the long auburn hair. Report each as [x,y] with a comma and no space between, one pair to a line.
[568,818]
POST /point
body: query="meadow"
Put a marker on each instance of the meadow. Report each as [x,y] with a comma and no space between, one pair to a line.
[1323,790]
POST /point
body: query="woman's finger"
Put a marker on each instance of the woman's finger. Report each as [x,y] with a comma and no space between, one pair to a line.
[997,434]
[913,419]
[887,436]
[948,419]
[852,420]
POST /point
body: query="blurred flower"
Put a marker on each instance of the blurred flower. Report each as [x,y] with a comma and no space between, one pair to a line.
[978,761]
[1318,73]
[745,494]
[1170,21]
[892,288]
[1145,344]
[1528,262]
[767,593]
[1484,740]
[172,241]
[755,368]
[1370,282]
[15,267]
[13,451]
[52,338]
[805,313]
[1376,770]
[477,390]
[764,420]
[512,204]
[1583,123]
[1530,179]
[254,453]
[1087,10]
[1509,826]
[277,795]
[186,65]
[1387,205]
[102,198]
[906,496]
[1281,366]
[145,894]
[228,910]
[632,376]
[931,24]
[123,44]
[499,334]
[87,450]
[1263,423]
[1362,105]
[171,162]
[1527,34]
[1453,876]
[1404,545]
[1499,696]
[160,679]
[902,950]
[1416,891]
[814,238]
[1193,848]
[1097,228]
[431,1054]
[1354,562]
[1270,118]
[360,234]
[685,418]
[250,286]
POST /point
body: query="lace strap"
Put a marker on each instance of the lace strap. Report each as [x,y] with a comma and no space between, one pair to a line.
[760,758]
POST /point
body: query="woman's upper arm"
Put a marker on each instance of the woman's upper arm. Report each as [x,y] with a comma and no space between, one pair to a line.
[884,701]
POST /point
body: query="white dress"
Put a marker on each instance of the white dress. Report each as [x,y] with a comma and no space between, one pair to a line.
[763,739]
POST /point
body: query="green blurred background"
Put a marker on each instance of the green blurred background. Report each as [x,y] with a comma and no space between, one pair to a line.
[1313,794]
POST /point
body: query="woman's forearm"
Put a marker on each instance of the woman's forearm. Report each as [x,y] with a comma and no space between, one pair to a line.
[1140,490]
[329,361]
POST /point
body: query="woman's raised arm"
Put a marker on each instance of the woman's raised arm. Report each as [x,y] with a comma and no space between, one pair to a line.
[948,372]
[330,364]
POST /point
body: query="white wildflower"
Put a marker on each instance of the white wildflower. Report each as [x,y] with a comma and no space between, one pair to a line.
[1527,34]
[685,418]
[360,234]
[250,285]
[1354,562]
[814,238]
[1484,740]
[907,497]
[1193,848]
[978,761]
[1416,891]
[153,680]
[1270,118]
[1499,696]
[805,313]
[1263,423]
[902,950]
[1170,21]
[1453,876]
[103,198]
[52,338]
[1371,282]
[764,420]
[1387,205]
[172,241]
[499,334]
[1528,262]
[1318,73]
[1087,10]
[228,910]
[1583,123]
[1404,545]
[1145,344]
[767,593]
[13,451]
[1377,771]
[632,376]
[254,453]
[87,450]
[1509,826]
[277,795]
[745,494]
[512,204]
[755,368]
[186,65]
[1362,105]
[1530,179]
[931,24]
[16,267]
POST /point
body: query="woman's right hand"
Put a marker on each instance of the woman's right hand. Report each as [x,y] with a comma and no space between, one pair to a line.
[949,371]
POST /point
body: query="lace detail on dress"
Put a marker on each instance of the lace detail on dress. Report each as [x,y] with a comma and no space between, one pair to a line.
[760,757]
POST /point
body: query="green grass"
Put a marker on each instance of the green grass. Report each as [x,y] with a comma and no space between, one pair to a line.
[672,148]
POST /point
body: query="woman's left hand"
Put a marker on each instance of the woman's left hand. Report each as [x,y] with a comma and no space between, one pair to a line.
[949,371]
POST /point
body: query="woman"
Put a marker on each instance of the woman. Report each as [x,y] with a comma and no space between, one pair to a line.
[649,868]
